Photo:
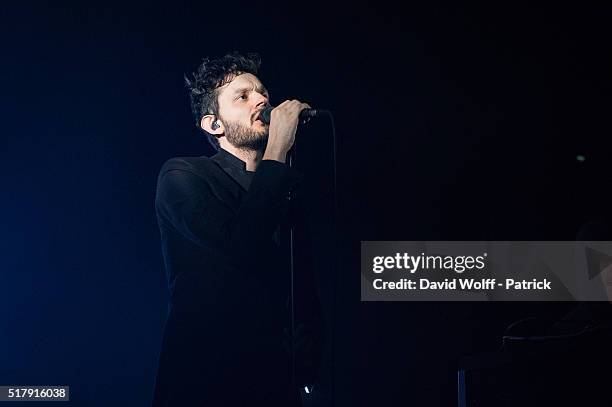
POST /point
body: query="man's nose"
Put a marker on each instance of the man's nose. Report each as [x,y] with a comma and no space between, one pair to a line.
[260,100]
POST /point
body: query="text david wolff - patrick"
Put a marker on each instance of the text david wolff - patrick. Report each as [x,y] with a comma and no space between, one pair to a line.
[462,284]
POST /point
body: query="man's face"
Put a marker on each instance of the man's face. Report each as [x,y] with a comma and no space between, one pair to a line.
[240,101]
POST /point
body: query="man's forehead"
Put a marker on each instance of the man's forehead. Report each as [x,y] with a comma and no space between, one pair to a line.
[240,81]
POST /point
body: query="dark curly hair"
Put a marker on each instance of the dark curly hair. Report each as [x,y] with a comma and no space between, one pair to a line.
[212,74]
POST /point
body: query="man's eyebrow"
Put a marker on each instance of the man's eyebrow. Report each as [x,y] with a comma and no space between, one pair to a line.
[260,89]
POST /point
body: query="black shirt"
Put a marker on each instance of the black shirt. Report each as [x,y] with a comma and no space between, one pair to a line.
[235,167]
[229,280]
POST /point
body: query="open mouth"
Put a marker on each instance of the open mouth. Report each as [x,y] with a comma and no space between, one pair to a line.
[258,120]
[256,117]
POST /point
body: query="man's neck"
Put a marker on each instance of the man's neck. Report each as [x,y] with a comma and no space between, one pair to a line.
[251,158]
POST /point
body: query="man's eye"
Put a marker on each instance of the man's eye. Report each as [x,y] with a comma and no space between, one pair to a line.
[242,97]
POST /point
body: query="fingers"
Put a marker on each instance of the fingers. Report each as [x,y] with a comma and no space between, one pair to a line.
[292,106]
[284,104]
[283,125]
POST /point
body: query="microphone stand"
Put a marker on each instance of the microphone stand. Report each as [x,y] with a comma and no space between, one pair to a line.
[291,157]
[290,160]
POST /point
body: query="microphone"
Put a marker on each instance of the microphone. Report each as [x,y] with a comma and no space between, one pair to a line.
[264,116]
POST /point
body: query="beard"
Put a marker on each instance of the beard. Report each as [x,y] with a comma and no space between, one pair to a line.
[245,138]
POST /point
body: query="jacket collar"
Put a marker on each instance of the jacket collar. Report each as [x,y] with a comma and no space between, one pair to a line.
[234,167]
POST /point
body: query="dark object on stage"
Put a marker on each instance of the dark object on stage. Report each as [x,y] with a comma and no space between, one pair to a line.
[570,367]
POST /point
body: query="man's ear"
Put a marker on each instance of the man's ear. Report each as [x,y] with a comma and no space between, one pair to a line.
[211,125]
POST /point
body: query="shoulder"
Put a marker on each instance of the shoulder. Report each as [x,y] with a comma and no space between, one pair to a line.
[187,174]
[197,165]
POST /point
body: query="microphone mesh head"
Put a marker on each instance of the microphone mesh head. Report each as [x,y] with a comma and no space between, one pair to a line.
[264,116]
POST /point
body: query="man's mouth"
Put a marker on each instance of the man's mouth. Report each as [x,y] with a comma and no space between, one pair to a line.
[256,117]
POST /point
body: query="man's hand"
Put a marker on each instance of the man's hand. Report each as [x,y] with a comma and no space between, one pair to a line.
[283,125]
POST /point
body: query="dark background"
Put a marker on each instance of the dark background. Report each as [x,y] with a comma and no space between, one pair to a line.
[453,122]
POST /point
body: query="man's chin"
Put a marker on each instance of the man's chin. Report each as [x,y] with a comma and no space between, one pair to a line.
[258,144]
[258,126]
[262,136]
[254,137]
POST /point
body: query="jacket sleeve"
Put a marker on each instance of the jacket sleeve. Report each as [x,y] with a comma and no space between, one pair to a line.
[188,202]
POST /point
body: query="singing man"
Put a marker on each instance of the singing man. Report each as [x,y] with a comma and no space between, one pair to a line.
[224,221]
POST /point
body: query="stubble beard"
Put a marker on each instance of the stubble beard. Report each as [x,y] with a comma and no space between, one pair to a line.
[245,138]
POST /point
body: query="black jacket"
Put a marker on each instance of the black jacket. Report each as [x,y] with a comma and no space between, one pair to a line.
[227,264]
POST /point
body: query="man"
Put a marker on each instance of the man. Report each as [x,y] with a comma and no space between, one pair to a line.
[222,221]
